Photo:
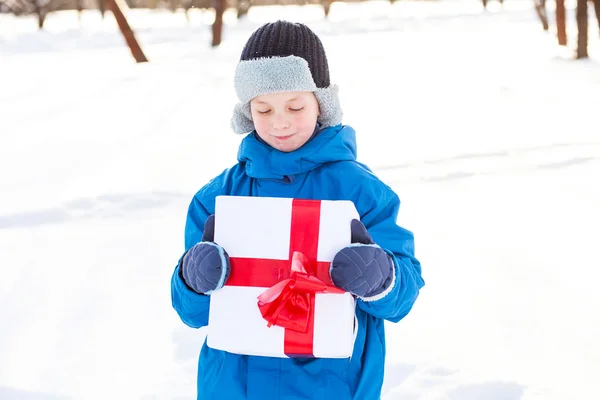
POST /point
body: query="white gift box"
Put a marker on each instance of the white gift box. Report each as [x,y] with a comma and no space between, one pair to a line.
[261,236]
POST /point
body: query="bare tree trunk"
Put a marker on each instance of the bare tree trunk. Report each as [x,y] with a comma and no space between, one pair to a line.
[561,27]
[102,7]
[326,6]
[217,28]
[41,12]
[597,9]
[540,8]
[41,18]
[244,5]
[582,29]
[79,9]
[128,34]
[186,9]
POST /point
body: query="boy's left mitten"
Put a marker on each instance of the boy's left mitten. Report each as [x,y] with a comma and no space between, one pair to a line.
[205,267]
[363,268]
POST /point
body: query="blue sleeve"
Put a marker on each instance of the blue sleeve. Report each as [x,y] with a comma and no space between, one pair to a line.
[191,306]
[379,207]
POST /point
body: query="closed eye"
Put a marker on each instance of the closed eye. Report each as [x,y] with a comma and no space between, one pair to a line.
[263,112]
[297,109]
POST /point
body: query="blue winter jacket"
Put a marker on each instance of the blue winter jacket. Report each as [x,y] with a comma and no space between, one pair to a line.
[325,168]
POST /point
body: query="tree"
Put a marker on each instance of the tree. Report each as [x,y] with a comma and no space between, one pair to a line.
[582,29]
[582,26]
[540,8]
[597,9]
[40,8]
[561,26]
[102,7]
[217,27]
[116,6]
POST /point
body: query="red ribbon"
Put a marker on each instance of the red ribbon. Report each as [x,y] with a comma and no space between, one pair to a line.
[293,283]
[289,303]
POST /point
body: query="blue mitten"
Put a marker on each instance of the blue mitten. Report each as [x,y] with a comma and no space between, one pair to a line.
[363,268]
[205,267]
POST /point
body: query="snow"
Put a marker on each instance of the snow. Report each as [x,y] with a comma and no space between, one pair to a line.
[477,119]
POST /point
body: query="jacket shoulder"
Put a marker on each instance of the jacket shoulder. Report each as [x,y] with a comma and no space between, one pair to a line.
[358,178]
[221,184]
[352,180]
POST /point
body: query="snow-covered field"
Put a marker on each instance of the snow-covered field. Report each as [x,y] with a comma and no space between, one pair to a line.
[488,132]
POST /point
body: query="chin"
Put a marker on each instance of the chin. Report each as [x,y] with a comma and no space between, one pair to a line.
[286,149]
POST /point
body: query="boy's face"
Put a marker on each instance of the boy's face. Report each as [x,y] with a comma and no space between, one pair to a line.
[285,120]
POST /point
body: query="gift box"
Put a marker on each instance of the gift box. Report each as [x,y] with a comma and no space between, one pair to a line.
[279,300]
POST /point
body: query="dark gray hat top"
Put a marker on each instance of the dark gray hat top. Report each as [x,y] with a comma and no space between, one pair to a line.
[284,57]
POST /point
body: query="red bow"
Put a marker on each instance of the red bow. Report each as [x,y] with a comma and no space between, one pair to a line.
[289,303]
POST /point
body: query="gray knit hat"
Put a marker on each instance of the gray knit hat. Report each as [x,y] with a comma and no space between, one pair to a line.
[284,57]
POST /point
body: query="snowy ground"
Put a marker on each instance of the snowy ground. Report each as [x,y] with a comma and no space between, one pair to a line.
[483,126]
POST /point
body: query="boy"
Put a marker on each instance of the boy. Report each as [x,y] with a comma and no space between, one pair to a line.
[298,148]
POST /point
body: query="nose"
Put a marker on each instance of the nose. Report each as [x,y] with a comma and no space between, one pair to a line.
[280,122]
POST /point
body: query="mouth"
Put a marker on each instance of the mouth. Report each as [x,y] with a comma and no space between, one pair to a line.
[283,138]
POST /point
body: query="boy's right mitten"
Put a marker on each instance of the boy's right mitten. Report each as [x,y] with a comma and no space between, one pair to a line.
[205,267]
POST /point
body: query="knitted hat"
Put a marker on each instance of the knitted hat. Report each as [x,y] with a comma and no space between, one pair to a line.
[284,57]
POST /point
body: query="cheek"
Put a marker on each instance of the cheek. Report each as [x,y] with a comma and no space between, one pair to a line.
[260,121]
[305,121]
